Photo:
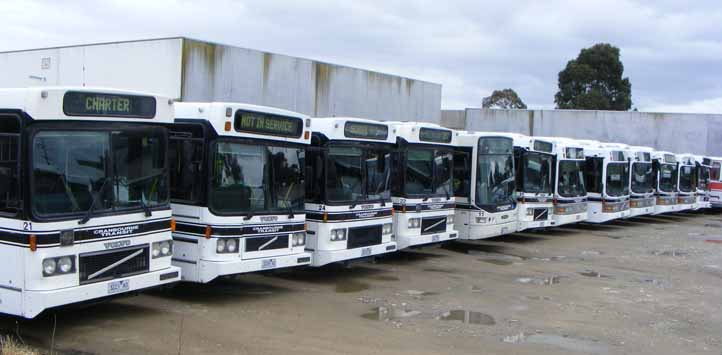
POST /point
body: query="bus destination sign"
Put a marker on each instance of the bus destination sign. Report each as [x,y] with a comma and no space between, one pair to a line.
[434,135]
[77,103]
[366,130]
[261,123]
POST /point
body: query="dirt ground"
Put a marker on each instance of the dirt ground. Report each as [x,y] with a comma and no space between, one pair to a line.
[649,285]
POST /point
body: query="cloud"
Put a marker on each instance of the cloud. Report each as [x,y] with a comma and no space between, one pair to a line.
[671,50]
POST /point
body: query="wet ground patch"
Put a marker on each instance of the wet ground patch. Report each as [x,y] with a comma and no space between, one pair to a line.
[468,317]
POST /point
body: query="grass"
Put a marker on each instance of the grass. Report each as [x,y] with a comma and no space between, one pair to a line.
[11,346]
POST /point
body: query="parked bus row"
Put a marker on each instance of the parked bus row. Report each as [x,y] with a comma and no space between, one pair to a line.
[106,192]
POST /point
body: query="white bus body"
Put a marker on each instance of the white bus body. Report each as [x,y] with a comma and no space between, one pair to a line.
[715,182]
[348,201]
[92,219]
[641,176]
[534,176]
[421,188]
[686,182]
[570,194]
[666,172]
[484,185]
[237,189]
[704,168]
[607,180]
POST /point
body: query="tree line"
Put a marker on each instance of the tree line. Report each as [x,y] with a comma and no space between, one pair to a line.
[592,81]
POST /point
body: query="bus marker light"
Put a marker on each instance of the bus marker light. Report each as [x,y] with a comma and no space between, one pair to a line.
[306,135]
[33,242]
[227,126]
[208,232]
[172,224]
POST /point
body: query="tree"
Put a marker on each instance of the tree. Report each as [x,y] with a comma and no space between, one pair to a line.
[594,81]
[503,99]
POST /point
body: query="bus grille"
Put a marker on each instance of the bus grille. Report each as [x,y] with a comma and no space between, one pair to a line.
[96,267]
[364,236]
[433,225]
[267,243]
[541,214]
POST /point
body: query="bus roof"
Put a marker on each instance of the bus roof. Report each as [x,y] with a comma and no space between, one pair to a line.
[235,119]
[88,104]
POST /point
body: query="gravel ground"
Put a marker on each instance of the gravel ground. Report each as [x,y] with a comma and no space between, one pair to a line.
[650,285]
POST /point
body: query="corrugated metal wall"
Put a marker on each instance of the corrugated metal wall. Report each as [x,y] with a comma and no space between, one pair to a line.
[679,133]
[213,72]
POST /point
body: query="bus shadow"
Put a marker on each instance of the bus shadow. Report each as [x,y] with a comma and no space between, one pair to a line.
[236,289]
[409,256]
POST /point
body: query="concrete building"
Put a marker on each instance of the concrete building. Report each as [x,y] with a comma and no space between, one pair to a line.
[675,132]
[192,70]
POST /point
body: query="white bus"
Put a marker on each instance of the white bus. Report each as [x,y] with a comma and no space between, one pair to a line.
[641,181]
[84,211]
[421,184]
[606,174]
[665,171]
[237,176]
[570,194]
[702,175]
[687,182]
[348,198]
[534,176]
[715,182]
[484,185]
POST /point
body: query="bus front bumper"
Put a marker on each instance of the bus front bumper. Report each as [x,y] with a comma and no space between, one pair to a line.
[34,302]
[601,217]
[562,219]
[406,241]
[659,209]
[206,270]
[324,257]
[641,211]
[483,231]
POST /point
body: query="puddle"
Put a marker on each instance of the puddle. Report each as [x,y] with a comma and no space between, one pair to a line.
[440,270]
[351,286]
[592,273]
[713,225]
[389,313]
[551,280]
[499,262]
[417,293]
[385,278]
[468,317]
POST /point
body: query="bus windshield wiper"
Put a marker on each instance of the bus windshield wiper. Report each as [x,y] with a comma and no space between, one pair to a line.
[95,196]
[144,205]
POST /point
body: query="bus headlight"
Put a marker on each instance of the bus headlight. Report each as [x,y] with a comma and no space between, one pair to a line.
[298,239]
[59,265]
[450,219]
[49,266]
[387,228]
[414,223]
[161,249]
[227,245]
[338,235]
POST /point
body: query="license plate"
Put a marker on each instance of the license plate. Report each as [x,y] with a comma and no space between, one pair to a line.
[118,286]
[435,238]
[365,251]
[268,264]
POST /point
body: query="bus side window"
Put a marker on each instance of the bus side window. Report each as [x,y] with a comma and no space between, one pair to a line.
[462,173]
[186,167]
[9,157]
[715,171]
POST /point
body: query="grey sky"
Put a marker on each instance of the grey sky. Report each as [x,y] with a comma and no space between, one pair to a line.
[672,50]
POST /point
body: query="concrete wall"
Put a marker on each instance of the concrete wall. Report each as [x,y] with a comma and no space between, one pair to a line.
[213,72]
[679,133]
[193,70]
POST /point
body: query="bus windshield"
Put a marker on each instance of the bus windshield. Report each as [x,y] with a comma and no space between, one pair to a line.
[617,179]
[251,179]
[642,177]
[703,178]
[428,172]
[686,178]
[668,177]
[121,169]
[495,172]
[538,172]
[358,173]
[571,178]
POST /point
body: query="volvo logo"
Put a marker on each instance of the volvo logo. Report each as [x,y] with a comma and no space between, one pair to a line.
[366,207]
[269,218]
[118,244]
